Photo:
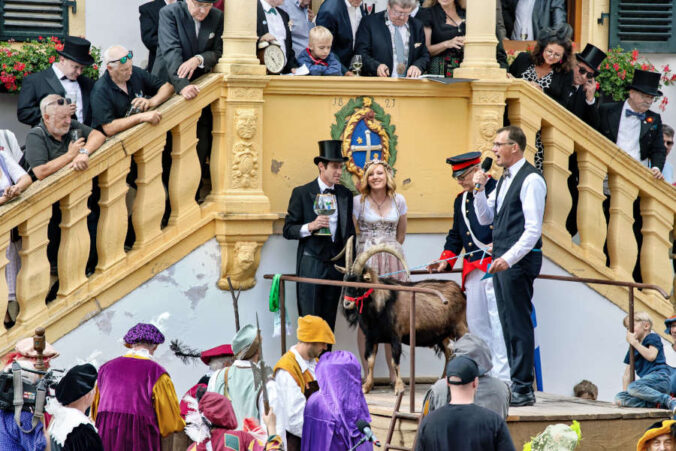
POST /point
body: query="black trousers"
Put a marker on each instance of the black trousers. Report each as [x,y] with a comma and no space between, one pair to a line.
[514,292]
[318,300]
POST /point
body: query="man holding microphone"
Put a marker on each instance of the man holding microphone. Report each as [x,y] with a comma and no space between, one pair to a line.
[516,209]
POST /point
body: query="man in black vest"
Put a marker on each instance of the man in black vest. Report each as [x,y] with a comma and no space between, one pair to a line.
[516,209]
[314,250]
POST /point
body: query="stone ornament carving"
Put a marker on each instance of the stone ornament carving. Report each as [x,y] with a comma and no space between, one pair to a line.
[245,159]
[245,94]
[240,264]
[488,126]
[245,122]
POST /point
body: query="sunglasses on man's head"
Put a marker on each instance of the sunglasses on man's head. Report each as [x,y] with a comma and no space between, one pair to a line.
[584,71]
[61,101]
[124,59]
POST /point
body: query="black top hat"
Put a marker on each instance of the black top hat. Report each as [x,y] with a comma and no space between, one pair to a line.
[592,56]
[77,49]
[461,163]
[646,82]
[330,150]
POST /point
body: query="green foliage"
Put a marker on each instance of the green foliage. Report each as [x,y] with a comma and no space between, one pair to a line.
[35,56]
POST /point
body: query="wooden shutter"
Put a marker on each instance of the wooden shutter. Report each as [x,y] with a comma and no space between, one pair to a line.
[27,19]
[646,25]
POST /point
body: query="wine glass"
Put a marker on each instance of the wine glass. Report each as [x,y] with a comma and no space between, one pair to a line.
[325,205]
[356,64]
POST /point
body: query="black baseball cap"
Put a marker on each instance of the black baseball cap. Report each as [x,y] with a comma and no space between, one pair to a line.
[462,367]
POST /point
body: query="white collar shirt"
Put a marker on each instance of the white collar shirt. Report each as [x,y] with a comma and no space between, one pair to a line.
[405,34]
[628,134]
[73,91]
[354,12]
[275,24]
[523,21]
[532,195]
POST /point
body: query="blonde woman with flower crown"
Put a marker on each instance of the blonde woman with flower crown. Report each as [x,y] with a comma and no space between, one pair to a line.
[380,214]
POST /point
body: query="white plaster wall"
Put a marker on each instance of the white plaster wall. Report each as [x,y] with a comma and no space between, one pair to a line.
[580,333]
[8,118]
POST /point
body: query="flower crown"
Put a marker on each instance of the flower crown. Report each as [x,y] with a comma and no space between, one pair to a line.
[378,161]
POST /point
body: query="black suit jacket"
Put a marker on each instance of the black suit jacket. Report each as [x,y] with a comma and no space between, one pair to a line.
[150,22]
[546,14]
[561,81]
[575,100]
[40,84]
[301,212]
[374,44]
[262,28]
[333,15]
[177,43]
[650,138]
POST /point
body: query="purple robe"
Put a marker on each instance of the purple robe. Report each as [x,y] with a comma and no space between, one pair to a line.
[331,414]
[126,418]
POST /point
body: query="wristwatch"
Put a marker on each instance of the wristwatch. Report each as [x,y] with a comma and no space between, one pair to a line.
[84,151]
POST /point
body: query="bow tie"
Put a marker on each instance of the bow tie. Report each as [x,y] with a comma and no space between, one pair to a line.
[272,11]
[506,174]
[63,77]
[329,191]
[629,113]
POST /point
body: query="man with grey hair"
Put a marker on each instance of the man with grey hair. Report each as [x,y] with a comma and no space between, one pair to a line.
[391,43]
[125,95]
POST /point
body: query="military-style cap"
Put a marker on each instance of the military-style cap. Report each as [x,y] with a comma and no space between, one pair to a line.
[461,163]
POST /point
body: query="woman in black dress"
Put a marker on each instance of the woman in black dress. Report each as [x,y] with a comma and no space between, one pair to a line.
[444,22]
[548,68]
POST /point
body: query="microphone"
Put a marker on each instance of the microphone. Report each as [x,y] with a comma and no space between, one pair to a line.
[365,429]
[485,167]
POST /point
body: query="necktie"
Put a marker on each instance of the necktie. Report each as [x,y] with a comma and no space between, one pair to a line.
[629,113]
[329,191]
[272,11]
[399,49]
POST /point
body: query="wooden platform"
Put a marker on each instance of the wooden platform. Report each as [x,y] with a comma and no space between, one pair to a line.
[604,425]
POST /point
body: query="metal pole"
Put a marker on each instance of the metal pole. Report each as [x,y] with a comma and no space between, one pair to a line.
[631,329]
[411,340]
[282,313]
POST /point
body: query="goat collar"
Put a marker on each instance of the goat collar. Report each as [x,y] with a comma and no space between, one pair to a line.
[359,302]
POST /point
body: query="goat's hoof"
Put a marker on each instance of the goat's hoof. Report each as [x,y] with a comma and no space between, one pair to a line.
[366,388]
[399,387]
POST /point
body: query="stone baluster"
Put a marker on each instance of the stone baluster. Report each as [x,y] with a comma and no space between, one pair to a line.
[112,226]
[218,160]
[32,282]
[522,114]
[239,39]
[622,247]
[656,266]
[150,196]
[479,62]
[185,171]
[4,243]
[591,222]
[75,240]
[555,170]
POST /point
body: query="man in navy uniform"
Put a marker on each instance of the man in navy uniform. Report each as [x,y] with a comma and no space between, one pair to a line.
[516,208]
[467,233]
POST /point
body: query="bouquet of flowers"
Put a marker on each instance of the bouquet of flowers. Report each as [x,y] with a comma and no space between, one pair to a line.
[35,56]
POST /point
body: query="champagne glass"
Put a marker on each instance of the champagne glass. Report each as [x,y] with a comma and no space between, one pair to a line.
[357,64]
[325,205]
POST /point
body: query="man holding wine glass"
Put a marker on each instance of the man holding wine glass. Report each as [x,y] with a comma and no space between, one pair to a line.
[320,218]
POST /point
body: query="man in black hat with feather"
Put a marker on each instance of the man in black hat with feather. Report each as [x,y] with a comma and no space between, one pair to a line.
[315,250]
[63,78]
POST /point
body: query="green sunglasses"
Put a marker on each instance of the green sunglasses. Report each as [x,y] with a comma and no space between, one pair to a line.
[124,59]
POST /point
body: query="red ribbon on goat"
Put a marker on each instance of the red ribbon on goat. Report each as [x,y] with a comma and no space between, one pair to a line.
[360,300]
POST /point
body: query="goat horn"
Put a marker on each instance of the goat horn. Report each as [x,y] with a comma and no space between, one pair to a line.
[347,251]
[361,260]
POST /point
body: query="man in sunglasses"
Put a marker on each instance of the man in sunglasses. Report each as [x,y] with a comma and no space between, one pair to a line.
[668,134]
[63,78]
[125,95]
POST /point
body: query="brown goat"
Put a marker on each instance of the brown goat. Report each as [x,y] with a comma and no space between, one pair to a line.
[383,315]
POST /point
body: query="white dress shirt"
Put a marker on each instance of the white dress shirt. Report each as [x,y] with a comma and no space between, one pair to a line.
[523,21]
[73,90]
[354,12]
[275,25]
[333,219]
[287,400]
[628,134]
[532,195]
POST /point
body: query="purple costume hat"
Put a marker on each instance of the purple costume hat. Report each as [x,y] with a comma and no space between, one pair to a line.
[143,333]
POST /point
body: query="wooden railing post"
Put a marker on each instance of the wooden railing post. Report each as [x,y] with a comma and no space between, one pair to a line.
[656,267]
[150,196]
[75,240]
[591,221]
[32,282]
[185,171]
[622,247]
[112,226]
[555,170]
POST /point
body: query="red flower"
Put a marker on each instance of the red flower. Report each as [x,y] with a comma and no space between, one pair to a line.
[59,47]
[622,74]
[52,59]
[649,119]
[644,66]
[40,38]
[55,39]
[607,66]
[4,66]
[598,85]
[634,55]
[673,77]
[616,67]
[666,68]
[18,66]
[95,66]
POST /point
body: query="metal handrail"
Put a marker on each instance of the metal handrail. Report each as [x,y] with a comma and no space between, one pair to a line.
[413,290]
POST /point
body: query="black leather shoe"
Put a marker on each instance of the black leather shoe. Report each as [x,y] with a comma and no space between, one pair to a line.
[522,399]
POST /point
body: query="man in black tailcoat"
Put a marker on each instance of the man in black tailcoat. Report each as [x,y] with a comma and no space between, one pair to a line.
[149,16]
[314,250]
